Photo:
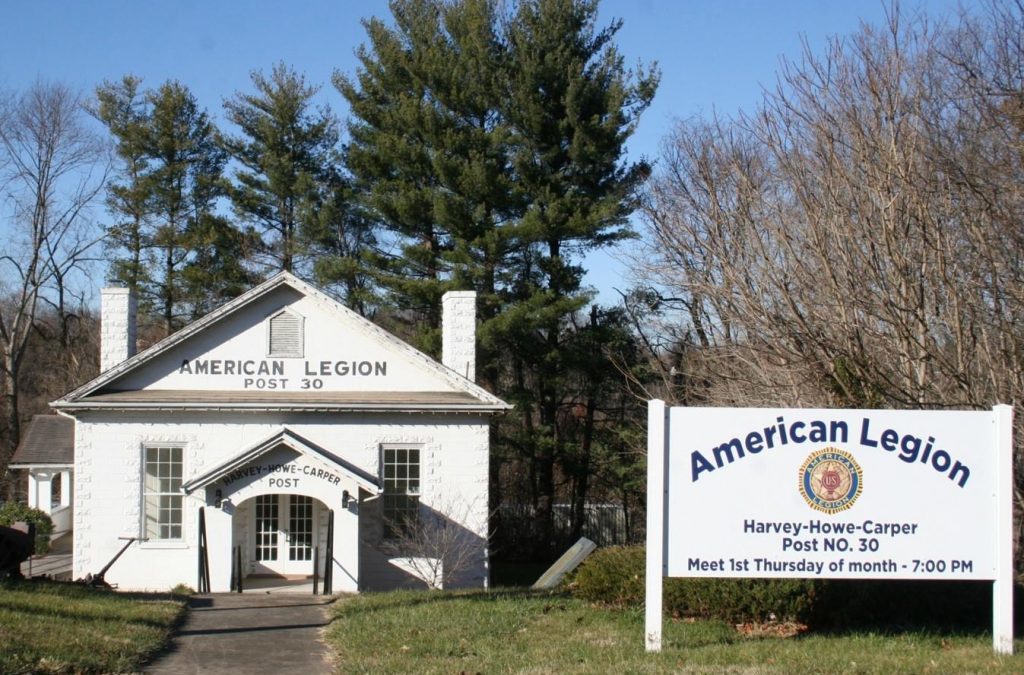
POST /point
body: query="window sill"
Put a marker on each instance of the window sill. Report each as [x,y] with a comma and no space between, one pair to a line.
[169,544]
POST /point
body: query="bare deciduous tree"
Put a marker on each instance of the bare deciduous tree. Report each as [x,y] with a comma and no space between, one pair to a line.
[436,546]
[857,242]
[50,172]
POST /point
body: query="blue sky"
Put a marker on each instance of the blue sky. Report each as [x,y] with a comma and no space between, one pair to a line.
[713,54]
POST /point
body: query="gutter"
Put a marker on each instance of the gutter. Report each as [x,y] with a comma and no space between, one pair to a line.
[295,407]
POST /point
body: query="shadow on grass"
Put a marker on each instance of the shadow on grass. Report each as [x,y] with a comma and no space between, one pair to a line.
[524,574]
[890,607]
[76,589]
[855,608]
[91,604]
[234,630]
[207,605]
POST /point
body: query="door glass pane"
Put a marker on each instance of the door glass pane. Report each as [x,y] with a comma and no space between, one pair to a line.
[266,527]
[300,528]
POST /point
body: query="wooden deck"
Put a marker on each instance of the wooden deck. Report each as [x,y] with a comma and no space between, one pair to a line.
[56,564]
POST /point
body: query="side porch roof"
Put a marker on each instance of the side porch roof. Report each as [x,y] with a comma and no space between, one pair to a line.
[49,440]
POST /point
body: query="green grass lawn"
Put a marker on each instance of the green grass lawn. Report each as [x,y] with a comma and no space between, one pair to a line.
[522,632]
[50,627]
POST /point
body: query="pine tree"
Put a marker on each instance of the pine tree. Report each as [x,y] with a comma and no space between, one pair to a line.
[183,182]
[289,173]
[490,147]
[122,108]
[344,245]
[429,156]
[572,105]
[219,268]
[169,244]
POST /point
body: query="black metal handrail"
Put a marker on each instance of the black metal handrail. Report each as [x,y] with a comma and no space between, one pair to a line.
[329,556]
[204,558]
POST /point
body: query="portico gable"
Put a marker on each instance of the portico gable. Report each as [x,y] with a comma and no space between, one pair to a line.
[283,463]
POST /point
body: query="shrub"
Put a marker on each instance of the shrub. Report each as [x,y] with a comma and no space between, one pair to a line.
[12,512]
[183,589]
[615,576]
[744,600]
[612,576]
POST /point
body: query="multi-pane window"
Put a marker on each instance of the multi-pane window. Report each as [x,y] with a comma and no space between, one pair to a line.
[161,493]
[401,490]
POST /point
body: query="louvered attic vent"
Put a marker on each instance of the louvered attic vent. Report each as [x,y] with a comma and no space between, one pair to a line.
[285,335]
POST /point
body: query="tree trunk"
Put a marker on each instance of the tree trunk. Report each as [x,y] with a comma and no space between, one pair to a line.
[169,291]
[546,441]
[10,434]
[582,483]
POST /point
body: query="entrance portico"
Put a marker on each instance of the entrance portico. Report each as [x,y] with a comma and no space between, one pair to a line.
[274,500]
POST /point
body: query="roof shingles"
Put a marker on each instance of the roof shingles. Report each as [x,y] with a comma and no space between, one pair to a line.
[49,439]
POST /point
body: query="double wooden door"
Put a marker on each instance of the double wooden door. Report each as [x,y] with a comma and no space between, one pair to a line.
[283,528]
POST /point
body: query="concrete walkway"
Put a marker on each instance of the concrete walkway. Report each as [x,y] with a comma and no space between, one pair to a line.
[56,564]
[249,633]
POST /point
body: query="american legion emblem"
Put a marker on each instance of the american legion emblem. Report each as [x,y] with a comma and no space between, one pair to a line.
[831,480]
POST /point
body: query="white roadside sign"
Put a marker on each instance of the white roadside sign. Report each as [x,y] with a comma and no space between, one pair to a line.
[821,493]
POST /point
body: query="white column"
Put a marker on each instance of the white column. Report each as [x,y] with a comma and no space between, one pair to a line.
[345,556]
[33,489]
[65,488]
[458,332]
[220,545]
[46,491]
[40,490]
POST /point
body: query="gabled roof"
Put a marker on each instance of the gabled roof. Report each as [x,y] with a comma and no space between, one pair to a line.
[97,393]
[288,438]
[49,440]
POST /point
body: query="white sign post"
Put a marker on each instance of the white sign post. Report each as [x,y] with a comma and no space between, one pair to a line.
[818,493]
[657,440]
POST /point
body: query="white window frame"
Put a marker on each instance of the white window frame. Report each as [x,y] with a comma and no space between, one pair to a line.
[387,513]
[300,353]
[145,494]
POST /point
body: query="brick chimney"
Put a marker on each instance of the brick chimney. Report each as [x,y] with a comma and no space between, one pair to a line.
[117,326]
[458,332]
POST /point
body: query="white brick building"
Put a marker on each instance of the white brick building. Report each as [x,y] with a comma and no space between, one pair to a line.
[300,434]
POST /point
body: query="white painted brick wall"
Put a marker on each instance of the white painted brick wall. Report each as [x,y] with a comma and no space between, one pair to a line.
[108,481]
[458,332]
[117,326]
